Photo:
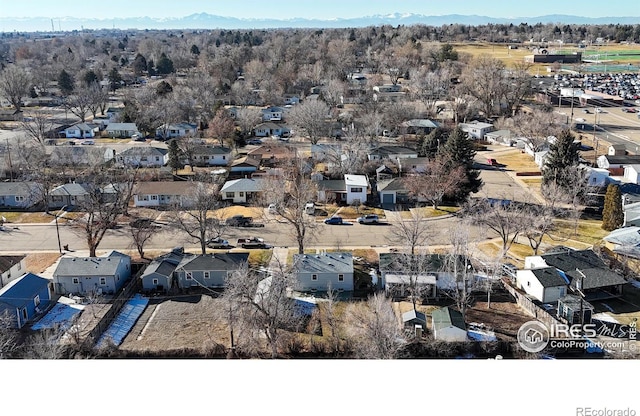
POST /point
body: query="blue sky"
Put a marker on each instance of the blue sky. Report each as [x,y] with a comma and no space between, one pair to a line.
[322,9]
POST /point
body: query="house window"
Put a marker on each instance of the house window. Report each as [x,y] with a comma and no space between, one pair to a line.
[189,276]
[224,157]
[103,281]
[19,198]
[340,278]
[206,275]
[230,194]
[356,189]
[155,282]
[76,281]
[24,314]
[154,197]
[143,159]
[36,300]
[528,283]
[314,277]
[241,194]
[157,158]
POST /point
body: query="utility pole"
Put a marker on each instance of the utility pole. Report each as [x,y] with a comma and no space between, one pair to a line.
[10,164]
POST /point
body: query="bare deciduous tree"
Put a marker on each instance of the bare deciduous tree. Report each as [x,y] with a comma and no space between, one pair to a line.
[437,181]
[310,117]
[198,220]
[222,127]
[15,83]
[37,124]
[8,335]
[411,232]
[374,329]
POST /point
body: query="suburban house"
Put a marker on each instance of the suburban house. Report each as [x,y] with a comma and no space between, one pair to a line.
[143,156]
[92,275]
[69,195]
[544,284]
[448,325]
[587,274]
[418,126]
[113,113]
[503,137]
[244,165]
[392,152]
[291,99]
[174,131]
[272,155]
[632,174]
[121,130]
[617,161]
[20,195]
[158,275]
[80,131]
[11,267]
[80,155]
[272,113]
[597,177]
[208,270]
[413,165]
[351,189]
[163,194]
[271,129]
[392,191]
[210,156]
[318,272]
[25,299]
[242,190]
[428,272]
[476,129]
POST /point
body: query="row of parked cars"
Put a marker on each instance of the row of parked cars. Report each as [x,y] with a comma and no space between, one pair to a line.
[365,219]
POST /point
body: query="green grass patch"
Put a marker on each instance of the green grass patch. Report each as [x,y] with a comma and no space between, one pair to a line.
[588,231]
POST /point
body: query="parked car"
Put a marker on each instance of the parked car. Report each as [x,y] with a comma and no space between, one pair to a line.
[368,219]
[239,221]
[492,162]
[628,110]
[255,142]
[252,242]
[335,220]
[310,208]
[218,243]
[273,209]
[87,142]
[586,111]
[142,223]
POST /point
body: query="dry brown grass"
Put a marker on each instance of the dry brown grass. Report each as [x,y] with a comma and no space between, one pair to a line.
[517,161]
[39,262]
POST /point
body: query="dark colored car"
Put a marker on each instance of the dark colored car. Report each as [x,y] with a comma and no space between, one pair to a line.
[239,221]
[335,220]
[142,223]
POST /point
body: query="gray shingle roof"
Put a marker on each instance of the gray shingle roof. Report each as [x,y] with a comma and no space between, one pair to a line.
[214,261]
[69,189]
[332,185]
[242,185]
[445,317]
[338,262]
[549,277]
[88,266]
[574,263]
[144,151]
[7,262]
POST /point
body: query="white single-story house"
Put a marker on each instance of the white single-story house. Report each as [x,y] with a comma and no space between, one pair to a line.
[272,113]
[211,156]
[143,156]
[476,129]
[121,130]
[245,164]
[173,131]
[79,131]
[392,152]
[163,194]
[241,190]
[271,129]
[613,162]
[502,137]
[544,283]
[632,174]
[597,177]
[11,267]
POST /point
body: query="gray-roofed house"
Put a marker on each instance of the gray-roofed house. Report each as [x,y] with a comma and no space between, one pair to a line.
[418,126]
[69,194]
[211,156]
[617,161]
[163,194]
[271,129]
[545,284]
[173,131]
[413,318]
[121,130]
[241,190]
[80,131]
[315,272]
[25,299]
[448,325]
[81,155]
[392,152]
[392,191]
[503,137]
[158,275]
[92,275]
[11,267]
[587,273]
[143,156]
[20,195]
[245,165]
[624,241]
[428,271]
[476,129]
[208,270]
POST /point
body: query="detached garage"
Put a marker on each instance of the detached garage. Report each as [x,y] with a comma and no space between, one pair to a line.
[448,325]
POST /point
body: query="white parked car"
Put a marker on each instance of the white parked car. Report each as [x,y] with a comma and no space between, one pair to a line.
[272,209]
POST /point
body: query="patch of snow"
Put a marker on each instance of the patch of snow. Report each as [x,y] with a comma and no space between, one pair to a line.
[61,315]
[603,316]
[635,283]
[481,335]
[125,320]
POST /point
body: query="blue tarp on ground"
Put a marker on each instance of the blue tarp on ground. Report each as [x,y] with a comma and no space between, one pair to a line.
[125,320]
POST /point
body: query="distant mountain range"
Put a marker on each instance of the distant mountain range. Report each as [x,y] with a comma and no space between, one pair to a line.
[209,21]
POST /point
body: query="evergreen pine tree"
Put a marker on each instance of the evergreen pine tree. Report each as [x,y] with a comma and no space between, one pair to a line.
[563,154]
[164,65]
[65,83]
[174,156]
[432,142]
[460,151]
[612,214]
